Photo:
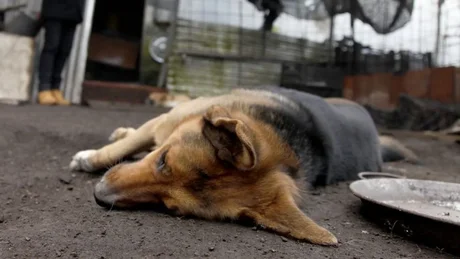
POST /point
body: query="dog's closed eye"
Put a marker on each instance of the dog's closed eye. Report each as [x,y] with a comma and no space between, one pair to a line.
[203,174]
[161,163]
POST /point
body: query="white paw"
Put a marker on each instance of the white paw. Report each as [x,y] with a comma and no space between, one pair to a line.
[120,133]
[81,161]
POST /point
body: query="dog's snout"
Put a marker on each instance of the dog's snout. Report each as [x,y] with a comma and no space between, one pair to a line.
[103,196]
[115,187]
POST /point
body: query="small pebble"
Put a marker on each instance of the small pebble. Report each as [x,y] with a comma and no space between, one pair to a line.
[284,239]
[211,248]
[27,238]
[65,179]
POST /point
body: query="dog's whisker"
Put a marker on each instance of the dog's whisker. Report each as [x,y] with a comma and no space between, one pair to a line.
[109,166]
[111,206]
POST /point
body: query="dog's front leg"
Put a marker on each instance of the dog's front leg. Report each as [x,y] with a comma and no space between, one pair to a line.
[152,133]
[137,141]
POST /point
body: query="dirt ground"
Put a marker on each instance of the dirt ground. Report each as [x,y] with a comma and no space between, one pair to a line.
[41,216]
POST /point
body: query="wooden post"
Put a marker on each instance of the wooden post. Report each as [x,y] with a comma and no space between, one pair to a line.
[352,57]
[331,37]
[169,46]
[77,64]
[438,32]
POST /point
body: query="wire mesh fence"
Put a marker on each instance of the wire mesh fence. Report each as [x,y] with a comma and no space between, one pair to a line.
[220,44]
[450,34]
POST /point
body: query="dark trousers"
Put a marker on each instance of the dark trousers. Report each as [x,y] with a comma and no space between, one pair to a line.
[58,44]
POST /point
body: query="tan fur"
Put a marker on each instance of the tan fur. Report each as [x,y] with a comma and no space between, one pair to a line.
[167,99]
[157,130]
[199,139]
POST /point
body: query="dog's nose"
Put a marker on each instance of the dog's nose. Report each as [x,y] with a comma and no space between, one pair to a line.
[103,195]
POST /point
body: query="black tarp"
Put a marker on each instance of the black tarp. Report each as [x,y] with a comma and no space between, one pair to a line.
[384,16]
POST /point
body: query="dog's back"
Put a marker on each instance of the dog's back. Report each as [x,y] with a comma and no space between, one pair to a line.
[334,140]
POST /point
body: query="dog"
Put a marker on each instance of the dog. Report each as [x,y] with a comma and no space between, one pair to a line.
[247,154]
[166,99]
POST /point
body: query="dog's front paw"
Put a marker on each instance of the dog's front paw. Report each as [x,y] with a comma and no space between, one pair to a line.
[120,133]
[81,161]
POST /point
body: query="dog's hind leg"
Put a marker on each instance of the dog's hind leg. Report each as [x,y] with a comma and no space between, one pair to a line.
[121,133]
[393,150]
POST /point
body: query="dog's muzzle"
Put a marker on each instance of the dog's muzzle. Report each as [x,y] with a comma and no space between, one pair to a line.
[103,195]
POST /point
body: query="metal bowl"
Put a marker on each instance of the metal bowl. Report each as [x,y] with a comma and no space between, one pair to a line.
[431,199]
[425,211]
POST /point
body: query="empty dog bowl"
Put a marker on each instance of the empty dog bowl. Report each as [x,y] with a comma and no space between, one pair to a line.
[428,211]
[431,199]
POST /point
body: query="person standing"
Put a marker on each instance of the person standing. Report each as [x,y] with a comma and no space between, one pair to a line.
[60,19]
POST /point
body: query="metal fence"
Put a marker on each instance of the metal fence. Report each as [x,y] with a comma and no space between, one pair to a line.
[219,44]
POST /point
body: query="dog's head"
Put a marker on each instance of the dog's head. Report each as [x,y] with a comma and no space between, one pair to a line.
[222,164]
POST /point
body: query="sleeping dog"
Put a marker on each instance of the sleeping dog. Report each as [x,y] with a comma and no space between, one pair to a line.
[246,154]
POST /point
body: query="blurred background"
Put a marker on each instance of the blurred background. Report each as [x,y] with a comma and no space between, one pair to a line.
[370,51]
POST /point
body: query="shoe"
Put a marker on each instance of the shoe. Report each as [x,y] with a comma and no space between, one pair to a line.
[46,97]
[59,98]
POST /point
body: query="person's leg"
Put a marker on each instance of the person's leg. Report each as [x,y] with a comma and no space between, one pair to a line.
[65,47]
[46,66]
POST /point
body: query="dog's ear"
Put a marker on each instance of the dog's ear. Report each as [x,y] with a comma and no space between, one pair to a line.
[232,138]
[284,217]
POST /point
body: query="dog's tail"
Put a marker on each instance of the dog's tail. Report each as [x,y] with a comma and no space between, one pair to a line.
[393,150]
